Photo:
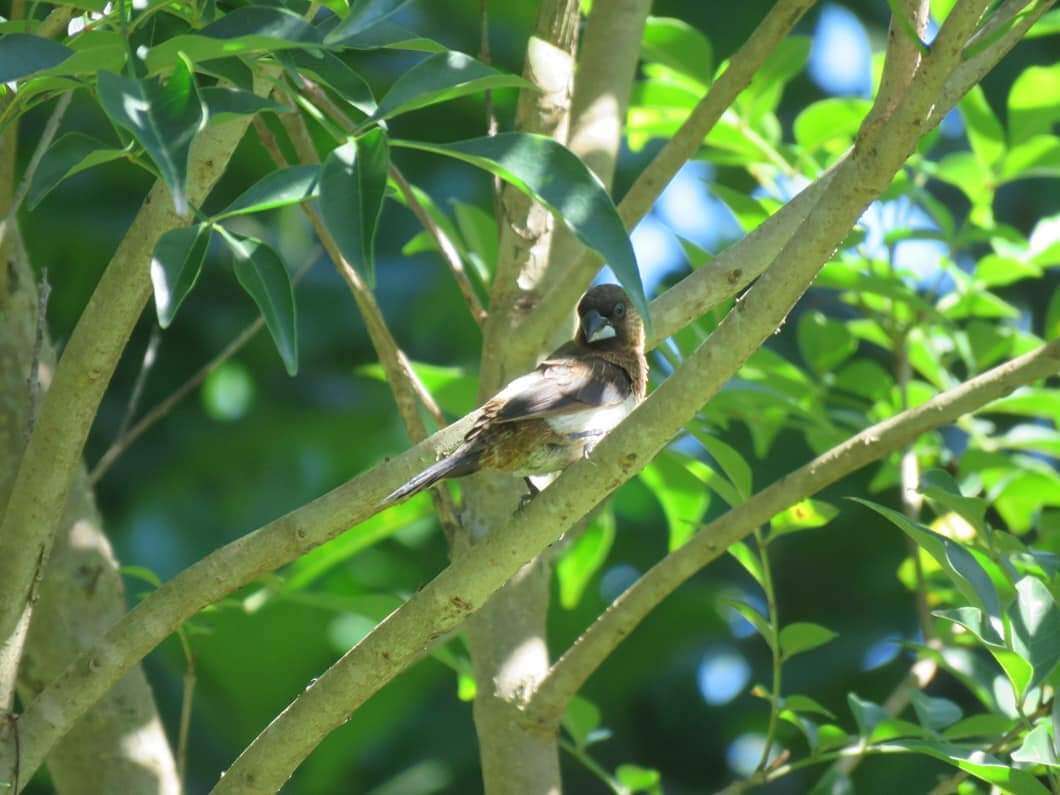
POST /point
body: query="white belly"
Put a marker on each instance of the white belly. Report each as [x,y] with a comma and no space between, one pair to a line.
[592,422]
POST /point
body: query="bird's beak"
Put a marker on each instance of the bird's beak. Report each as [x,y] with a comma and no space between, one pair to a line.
[596,327]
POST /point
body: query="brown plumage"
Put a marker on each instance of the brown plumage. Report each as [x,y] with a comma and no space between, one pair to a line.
[547,419]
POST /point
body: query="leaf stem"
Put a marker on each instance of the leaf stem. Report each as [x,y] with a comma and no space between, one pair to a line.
[774,623]
[594,767]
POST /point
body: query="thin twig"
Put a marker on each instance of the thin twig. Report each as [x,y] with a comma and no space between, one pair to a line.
[187,697]
[774,622]
[405,386]
[486,56]
[445,246]
[33,377]
[150,357]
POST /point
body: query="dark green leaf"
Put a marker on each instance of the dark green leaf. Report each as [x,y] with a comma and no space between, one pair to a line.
[262,274]
[231,69]
[278,189]
[939,486]
[23,54]
[93,50]
[225,104]
[678,45]
[333,72]
[364,14]
[440,78]
[803,636]
[70,154]
[387,35]
[552,174]
[962,567]
[175,267]
[162,117]
[824,343]
[242,30]
[982,766]
[935,713]
[866,714]
[352,189]
[584,558]
[1035,628]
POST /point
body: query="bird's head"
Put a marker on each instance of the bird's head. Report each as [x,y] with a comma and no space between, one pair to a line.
[607,319]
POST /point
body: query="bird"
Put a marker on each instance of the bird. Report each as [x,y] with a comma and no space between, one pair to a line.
[545,420]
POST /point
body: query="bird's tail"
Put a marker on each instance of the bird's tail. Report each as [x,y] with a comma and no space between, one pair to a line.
[460,463]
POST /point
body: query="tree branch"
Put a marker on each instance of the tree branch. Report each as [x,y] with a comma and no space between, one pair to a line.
[88,361]
[607,632]
[284,539]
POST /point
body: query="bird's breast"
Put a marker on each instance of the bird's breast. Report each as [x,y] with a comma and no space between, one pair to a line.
[592,422]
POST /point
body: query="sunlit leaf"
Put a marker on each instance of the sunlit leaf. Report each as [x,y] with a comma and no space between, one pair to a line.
[278,189]
[262,274]
[679,46]
[802,515]
[164,118]
[352,188]
[581,718]
[824,343]
[1037,747]
[584,558]
[440,78]
[550,173]
[680,493]
[803,636]
[175,267]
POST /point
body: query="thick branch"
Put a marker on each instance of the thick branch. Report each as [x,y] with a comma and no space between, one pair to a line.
[285,539]
[610,629]
[88,361]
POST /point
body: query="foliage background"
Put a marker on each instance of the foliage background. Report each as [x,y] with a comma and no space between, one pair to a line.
[253,443]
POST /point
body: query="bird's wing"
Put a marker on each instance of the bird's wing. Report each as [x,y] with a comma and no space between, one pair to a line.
[561,386]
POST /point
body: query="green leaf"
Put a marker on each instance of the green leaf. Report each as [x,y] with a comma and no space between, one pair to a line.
[679,46]
[442,77]
[584,558]
[226,104]
[333,72]
[1035,629]
[1032,106]
[733,464]
[867,714]
[175,267]
[163,118]
[681,494]
[803,515]
[959,564]
[69,154]
[749,212]
[803,636]
[785,61]
[985,133]
[636,778]
[386,35]
[1037,747]
[552,174]
[1052,316]
[247,29]
[478,228]
[830,124]
[352,189]
[753,617]
[23,54]
[985,725]
[976,763]
[278,189]
[142,573]
[824,343]
[453,387]
[262,274]
[749,559]
[363,15]
[93,50]
[1038,156]
[801,703]
[935,713]
[939,486]
[581,719]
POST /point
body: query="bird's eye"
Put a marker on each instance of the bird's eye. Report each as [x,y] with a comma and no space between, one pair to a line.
[620,309]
